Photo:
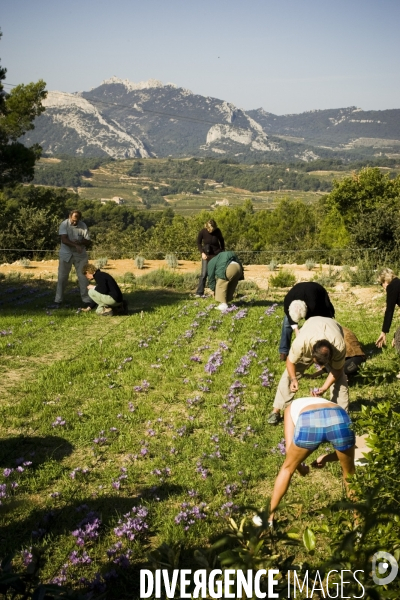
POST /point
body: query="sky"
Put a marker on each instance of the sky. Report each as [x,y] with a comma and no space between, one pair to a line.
[285,56]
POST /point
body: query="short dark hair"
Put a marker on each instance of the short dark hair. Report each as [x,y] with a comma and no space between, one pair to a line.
[322,352]
[78,212]
[88,268]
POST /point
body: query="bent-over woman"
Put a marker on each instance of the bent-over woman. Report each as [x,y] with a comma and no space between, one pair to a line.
[224,273]
[310,422]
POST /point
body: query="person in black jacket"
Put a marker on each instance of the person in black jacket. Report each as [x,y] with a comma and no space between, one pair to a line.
[209,242]
[315,303]
[105,295]
[391,284]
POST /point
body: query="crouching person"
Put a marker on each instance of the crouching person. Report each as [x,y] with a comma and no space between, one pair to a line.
[105,295]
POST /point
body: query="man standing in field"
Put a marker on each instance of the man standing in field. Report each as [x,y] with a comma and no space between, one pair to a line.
[319,341]
[75,238]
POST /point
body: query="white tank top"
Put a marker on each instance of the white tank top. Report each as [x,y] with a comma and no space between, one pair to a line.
[297,405]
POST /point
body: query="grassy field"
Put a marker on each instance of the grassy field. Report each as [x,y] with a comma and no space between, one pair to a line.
[120,434]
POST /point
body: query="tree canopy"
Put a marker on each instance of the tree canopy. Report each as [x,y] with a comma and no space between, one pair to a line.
[18,110]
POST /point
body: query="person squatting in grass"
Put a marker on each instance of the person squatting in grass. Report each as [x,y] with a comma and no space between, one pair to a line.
[209,241]
[75,238]
[224,273]
[106,294]
[306,299]
[308,423]
[319,341]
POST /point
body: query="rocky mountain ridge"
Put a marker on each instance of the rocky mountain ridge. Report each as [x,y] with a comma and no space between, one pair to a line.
[123,119]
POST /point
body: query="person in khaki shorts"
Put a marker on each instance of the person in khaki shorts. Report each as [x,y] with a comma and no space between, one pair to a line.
[224,272]
[319,341]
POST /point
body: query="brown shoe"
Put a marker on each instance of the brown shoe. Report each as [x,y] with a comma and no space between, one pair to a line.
[283,356]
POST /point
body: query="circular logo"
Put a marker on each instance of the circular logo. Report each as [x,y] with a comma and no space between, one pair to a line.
[384,568]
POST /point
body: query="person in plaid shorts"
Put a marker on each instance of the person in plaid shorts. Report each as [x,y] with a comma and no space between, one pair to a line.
[309,422]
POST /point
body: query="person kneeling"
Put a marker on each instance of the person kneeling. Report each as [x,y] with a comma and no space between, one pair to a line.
[106,294]
[309,422]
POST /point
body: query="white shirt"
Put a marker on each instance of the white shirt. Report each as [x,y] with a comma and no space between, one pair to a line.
[300,403]
[75,233]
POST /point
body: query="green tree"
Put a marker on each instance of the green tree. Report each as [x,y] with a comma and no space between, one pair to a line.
[18,110]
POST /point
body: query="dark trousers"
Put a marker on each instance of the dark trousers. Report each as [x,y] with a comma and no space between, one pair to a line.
[352,364]
[203,278]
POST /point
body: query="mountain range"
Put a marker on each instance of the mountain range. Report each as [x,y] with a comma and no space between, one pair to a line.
[123,119]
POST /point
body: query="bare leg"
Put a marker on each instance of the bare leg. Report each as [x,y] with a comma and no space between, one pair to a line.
[346,459]
[320,462]
[294,457]
[289,433]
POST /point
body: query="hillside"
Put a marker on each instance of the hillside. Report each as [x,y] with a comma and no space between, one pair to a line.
[121,119]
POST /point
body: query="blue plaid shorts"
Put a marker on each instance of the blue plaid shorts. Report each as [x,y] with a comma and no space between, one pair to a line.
[320,425]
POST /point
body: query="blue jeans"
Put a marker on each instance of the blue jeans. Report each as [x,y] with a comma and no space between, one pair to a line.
[286,337]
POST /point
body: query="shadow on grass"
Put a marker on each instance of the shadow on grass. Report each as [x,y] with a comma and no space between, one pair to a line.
[26,296]
[15,450]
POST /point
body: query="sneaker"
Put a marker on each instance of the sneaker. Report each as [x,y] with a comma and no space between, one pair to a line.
[198,295]
[274,418]
[398,376]
[107,312]
[86,309]
[222,306]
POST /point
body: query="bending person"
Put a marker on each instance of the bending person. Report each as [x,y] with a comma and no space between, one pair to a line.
[391,285]
[306,299]
[224,273]
[310,422]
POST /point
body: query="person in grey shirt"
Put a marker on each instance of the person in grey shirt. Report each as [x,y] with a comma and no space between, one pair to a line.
[74,241]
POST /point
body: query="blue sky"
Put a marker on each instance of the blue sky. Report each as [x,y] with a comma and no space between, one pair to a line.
[286,56]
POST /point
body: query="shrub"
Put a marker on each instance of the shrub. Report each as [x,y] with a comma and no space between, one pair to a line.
[283,279]
[162,278]
[101,262]
[328,279]
[128,277]
[171,261]
[363,274]
[24,262]
[310,264]
[139,262]
[247,285]
[272,265]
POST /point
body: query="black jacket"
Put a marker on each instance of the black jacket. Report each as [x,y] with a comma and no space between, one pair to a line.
[105,284]
[314,295]
[215,240]
[392,298]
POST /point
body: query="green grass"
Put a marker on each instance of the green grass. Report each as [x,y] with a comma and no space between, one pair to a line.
[87,371]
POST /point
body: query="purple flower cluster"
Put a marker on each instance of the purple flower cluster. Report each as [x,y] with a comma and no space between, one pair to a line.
[241,314]
[116,483]
[193,401]
[266,377]
[133,524]
[281,447]
[190,514]
[79,559]
[101,440]
[6,332]
[74,473]
[271,309]
[195,358]
[233,404]
[27,557]
[141,388]
[227,510]
[59,422]
[203,471]
[119,558]
[214,362]
[245,362]
[161,473]
[88,529]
